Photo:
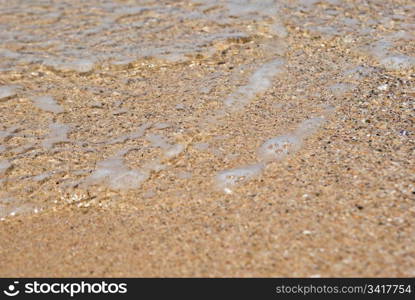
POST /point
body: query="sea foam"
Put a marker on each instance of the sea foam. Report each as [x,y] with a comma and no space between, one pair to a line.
[4,166]
[113,173]
[78,66]
[159,141]
[47,103]
[279,147]
[7,91]
[228,179]
[272,150]
[397,62]
[259,82]
[58,134]
[340,89]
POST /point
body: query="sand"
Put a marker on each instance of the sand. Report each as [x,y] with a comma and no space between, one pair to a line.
[119,174]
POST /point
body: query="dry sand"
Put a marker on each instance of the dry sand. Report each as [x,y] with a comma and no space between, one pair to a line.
[342,204]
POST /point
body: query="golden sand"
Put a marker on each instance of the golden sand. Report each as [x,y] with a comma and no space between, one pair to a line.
[342,204]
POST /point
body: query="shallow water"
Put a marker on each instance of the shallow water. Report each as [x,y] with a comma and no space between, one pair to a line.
[75,97]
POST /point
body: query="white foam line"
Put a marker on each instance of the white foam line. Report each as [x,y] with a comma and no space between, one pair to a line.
[113,173]
[340,89]
[7,91]
[274,149]
[4,166]
[7,134]
[170,150]
[58,134]
[157,141]
[47,103]
[227,179]
[79,66]
[381,51]
[134,135]
[259,82]
[243,8]
[279,147]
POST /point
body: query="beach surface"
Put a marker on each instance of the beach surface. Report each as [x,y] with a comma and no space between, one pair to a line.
[235,138]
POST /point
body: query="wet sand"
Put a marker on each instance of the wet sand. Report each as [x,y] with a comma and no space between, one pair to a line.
[117,172]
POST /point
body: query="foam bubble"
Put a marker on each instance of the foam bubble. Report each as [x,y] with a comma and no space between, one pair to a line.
[113,173]
[9,54]
[24,148]
[274,149]
[252,7]
[401,35]
[339,89]
[130,11]
[79,66]
[307,4]
[397,62]
[259,82]
[174,150]
[358,73]
[42,177]
[228,179]
[201,146]
[6,134]
[122,64]
[47,103]
[161,125]
[154,165]
[279,147]
[58,134]
[170,150]
[381,51]
[184,175]
[4,166]
[310,126]
[157,141]
[10,207]
[134,135]
[380,48]
[6,92]
[278,29]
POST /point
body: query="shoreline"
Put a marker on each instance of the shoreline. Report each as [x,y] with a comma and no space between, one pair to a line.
[247,144]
